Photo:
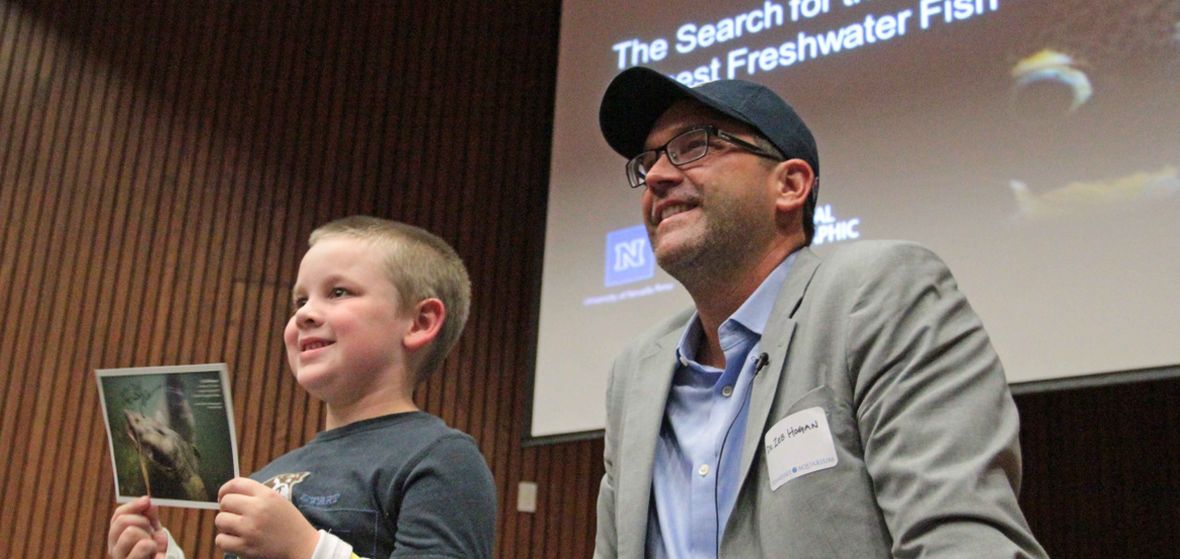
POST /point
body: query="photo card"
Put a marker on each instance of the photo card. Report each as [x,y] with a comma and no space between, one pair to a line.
[171,432]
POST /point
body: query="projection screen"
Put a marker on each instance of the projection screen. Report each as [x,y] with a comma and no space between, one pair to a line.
[1034,145]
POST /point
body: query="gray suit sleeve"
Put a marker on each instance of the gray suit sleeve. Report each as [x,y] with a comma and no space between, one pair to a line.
[606,541]
[938,424]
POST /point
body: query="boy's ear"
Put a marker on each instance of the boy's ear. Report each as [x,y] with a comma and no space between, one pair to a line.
[428,317]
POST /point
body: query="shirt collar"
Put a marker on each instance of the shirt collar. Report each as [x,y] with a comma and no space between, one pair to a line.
[752,315]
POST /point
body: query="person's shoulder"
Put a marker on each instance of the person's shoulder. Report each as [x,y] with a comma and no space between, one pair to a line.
[425,430]
[880,256]
[435,442]
[402,442]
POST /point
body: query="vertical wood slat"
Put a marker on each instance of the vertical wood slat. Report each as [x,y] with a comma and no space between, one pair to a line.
[96,218]
[63,97]
[14,43]
[44,438]
[29,271]
[77,254]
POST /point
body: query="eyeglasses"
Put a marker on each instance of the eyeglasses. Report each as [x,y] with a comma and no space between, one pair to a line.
[685,148]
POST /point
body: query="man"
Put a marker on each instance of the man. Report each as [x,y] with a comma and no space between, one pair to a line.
[844,406]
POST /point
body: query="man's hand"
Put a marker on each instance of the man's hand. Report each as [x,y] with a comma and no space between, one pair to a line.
[135,531]
[255,521]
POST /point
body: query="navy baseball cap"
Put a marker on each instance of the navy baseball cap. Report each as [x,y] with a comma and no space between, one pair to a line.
[637,97]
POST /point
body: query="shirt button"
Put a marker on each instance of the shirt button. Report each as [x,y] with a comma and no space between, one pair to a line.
[703,470]
[727,391]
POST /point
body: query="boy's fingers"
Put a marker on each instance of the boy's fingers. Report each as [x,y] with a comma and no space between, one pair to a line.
[226,488]
[153,515]
[161,542]
[227,522]
[122,525]
[124,520]
[144,549]
[242,485]
[230,543]
[129,541]
[233,503]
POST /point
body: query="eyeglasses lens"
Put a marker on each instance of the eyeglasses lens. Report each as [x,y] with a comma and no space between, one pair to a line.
[685,148]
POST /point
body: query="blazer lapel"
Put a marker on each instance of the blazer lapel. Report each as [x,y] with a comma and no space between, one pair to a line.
[645,401]
[776,339]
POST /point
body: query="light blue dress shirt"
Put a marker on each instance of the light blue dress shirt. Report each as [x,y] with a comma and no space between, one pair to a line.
[695,476]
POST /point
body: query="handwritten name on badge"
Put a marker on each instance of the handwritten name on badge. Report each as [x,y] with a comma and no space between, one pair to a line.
[799,444]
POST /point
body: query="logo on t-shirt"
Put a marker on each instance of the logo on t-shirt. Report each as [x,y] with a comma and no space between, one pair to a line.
[285,484]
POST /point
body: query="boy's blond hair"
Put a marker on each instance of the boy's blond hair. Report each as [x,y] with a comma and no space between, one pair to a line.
[421,266]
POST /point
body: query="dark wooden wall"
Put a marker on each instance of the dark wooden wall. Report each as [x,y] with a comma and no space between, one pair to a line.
[1102,466]
[161,164]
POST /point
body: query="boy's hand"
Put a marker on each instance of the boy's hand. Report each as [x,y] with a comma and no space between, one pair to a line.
[255,521]
[135,531]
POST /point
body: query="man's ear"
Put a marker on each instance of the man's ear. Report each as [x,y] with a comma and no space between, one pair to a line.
[794,179]
[428,317]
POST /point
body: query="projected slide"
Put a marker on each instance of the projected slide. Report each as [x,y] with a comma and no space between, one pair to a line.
[1034,144]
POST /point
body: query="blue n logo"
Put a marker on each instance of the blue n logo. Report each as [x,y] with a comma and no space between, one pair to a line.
[628,256]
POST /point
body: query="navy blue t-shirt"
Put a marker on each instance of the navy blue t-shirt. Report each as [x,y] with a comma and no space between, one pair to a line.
[401,485]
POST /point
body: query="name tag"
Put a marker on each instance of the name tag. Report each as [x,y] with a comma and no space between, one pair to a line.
[799,444]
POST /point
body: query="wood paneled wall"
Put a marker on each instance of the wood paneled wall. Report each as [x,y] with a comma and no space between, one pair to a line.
[161,164]
[1102,466]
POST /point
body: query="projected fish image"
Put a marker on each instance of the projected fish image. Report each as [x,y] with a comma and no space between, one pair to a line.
[1077,197]
[1063,92]
[1055,67]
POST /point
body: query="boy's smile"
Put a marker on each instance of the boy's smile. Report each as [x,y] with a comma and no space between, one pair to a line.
[308,345]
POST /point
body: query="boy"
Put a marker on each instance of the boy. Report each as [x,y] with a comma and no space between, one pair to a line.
[378,305]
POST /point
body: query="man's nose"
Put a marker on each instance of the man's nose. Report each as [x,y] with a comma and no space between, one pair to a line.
[663,175]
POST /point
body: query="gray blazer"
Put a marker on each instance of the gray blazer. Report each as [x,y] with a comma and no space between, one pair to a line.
[879,336]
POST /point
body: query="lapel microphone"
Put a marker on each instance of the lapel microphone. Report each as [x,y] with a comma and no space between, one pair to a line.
[763,359]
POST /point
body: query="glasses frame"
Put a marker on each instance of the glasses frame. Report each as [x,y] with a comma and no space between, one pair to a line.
[711,132]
